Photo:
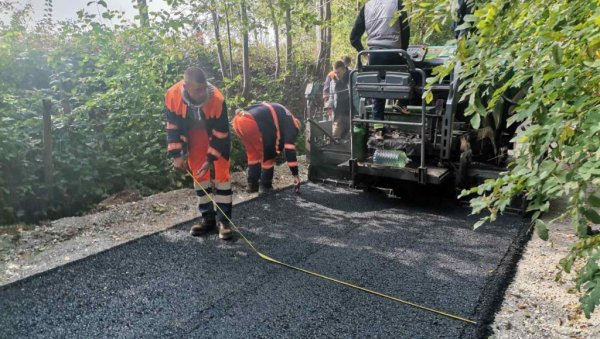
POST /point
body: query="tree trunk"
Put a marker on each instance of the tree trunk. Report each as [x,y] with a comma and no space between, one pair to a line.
[276,30]
[48,164]
[288,39]
[324,46]
[215,18]
[143,10]
[66,105]
[229,41]
[245,53]
[329,34]
[256,33]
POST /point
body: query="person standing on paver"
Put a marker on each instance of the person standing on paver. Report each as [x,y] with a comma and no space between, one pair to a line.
[266,130]
[375,18]
[327,87]
[339,100]
[198,128]
[347,60]
[327,93]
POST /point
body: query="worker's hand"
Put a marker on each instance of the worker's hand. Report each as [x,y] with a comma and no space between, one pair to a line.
[180,164]
[296,183]
[202,170]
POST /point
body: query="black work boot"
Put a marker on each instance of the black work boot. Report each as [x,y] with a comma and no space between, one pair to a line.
[225,232]
[265,187]
[252,187]
[207,224]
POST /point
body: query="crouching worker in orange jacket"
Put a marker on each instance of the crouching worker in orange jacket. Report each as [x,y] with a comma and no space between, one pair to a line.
[197,127]
[266,130]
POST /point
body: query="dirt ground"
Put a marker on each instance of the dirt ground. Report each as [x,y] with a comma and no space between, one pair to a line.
[535,306]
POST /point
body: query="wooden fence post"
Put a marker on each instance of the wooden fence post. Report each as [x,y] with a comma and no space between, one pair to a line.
[47,136]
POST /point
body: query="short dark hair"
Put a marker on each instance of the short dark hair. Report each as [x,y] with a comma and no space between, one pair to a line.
[195,74]
[347,60]
[339,64]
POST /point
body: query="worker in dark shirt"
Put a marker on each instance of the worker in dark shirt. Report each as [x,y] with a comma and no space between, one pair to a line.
[375,18]
[266,130]
[339,100]
[465,7]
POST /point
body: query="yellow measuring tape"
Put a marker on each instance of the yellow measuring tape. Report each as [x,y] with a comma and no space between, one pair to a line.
[337,281]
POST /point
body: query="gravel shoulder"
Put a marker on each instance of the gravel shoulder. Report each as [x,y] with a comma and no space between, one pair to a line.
[537,306]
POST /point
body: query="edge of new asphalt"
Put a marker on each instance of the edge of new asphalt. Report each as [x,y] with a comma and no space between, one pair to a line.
[492,294]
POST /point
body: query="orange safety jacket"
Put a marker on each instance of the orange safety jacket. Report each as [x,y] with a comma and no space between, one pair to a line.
[180,123]
[279,129]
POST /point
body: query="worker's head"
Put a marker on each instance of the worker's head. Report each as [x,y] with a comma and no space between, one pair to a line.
[347,60]
[339,68]
[195,85]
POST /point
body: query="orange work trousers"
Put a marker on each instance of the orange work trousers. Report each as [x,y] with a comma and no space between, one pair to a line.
[205,185]
[260,160]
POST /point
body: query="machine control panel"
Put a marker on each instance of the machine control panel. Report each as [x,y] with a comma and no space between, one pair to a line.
[417,52]
[440,52]
[430,56]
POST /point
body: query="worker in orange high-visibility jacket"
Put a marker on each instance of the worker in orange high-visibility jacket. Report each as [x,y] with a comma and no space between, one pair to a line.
[198,128]
[266,130]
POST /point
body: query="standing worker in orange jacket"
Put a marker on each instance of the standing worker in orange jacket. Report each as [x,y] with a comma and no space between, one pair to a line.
[197,126]
[266,130]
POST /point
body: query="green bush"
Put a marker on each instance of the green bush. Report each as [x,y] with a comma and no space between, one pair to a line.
[113,79]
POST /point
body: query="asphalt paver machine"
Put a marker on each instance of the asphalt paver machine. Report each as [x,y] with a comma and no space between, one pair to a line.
[425,142]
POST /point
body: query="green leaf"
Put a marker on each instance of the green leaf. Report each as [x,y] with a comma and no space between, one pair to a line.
[592,216]
[582,228]
[476,120]
[591,299]
[541,229]
[470,18]
[480,222]
[594,201]
[428,97]
[557,54]
[566,264]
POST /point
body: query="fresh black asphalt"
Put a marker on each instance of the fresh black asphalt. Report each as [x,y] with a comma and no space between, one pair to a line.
[173,285]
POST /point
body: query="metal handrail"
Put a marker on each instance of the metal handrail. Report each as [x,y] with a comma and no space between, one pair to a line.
[411,68]
[404,54]
[387,122]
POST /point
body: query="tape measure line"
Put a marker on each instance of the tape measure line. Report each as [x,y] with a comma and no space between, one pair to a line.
[322,276]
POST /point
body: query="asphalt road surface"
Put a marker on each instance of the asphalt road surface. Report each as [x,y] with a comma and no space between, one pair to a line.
[173,285]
